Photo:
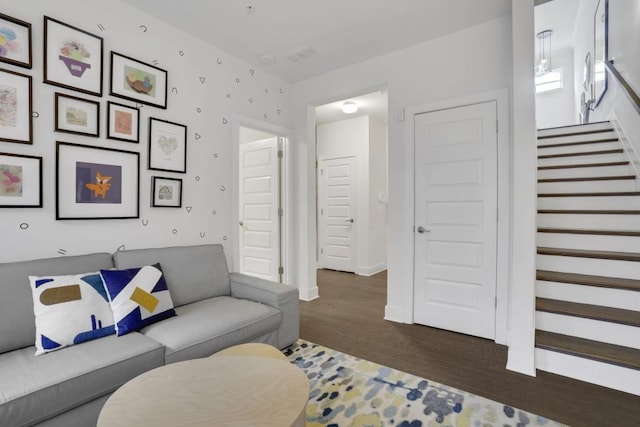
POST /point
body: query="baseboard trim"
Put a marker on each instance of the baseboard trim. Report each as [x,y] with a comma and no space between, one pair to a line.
[396,313]
[519,361]
[308,294]
[370,271]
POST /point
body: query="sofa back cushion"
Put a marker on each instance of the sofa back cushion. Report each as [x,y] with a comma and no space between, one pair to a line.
[193,273]
[17,321]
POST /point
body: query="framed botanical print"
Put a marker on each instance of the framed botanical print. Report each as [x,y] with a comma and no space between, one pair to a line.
[137,81]
[77,115]
[123,122]
[96,182]
[72,57]
[166,192]
[15,41]
[16,121]
[20,181]
[167,146]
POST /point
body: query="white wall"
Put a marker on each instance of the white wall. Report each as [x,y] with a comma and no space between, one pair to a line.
[474,60]
[557,108]
[365,139]
[230,86]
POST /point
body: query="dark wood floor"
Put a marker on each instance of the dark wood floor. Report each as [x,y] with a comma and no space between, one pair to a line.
[348,317]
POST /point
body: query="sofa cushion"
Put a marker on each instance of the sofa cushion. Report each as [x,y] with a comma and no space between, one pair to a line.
[193,273]
[34,388]
[17,324]
[138,297]
[70,310]
[204,327]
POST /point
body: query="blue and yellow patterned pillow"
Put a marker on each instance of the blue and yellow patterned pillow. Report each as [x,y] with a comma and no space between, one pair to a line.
[69,310]
[138,297]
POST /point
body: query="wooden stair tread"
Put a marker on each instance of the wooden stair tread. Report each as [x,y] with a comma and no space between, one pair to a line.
[593,232]
[589,311]
[588,132]
[588,280]
[570,144]
[584,253]
[588,349]
[589,211]
[585,153]
[584,165]
[597,194]
[589,178]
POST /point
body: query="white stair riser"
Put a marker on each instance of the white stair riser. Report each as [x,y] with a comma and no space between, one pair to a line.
[590,221]
[604,374]
[581,160]
[576,138]
[572,129]
[595,330]
[589,241]
[607,297]
[585,172]
[590,203]
[591,266]
[582,148]
[587,186]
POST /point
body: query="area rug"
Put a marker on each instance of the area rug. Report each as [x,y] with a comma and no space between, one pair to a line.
[346,391]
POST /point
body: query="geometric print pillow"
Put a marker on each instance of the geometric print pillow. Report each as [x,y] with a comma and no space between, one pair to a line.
[69,310]
[138,297]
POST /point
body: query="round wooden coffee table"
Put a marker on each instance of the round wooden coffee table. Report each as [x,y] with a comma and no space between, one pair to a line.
[229,391]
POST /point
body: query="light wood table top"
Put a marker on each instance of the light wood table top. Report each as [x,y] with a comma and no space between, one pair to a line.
[232,391]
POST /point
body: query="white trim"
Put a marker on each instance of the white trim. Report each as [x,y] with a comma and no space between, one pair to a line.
[520,361]
[308,294]
[397,313]
[501,97]
[371,270]
[629,149]
[238,121]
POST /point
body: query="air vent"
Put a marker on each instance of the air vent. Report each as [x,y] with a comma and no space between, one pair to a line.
[302,54]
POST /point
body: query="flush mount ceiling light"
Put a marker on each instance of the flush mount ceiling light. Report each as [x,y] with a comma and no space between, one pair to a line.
[349,107]
[543,65]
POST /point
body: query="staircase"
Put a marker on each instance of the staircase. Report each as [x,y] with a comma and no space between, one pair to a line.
[588,262]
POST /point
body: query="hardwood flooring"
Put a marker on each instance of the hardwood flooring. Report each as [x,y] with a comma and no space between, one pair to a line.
[348,317]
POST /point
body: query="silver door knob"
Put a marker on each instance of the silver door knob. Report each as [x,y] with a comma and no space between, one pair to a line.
[350,220]
[421,229]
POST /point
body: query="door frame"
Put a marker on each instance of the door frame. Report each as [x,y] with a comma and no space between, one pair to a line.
[286,234]
[321,221]
[503,252]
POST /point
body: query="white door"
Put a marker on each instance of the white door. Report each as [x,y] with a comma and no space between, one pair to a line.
[456,219]
[337,205]
[259,197]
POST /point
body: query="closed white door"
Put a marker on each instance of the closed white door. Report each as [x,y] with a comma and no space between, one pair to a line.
[456,219]
[337,205]
[259,198]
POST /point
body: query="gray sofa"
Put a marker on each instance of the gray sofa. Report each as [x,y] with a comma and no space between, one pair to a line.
[68,387]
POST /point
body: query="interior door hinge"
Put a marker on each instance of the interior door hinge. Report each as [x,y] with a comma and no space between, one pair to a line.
[280,154]
[280,212]
[281,270]
[321,211]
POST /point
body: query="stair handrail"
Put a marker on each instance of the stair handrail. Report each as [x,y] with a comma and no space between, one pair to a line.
[628,90]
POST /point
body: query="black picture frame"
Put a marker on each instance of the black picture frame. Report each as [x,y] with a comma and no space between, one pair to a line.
[137,81]
[21,183]
[75,64]
[163,192]
[16,90]
[18,32]
[167,146]
[77,115]
[123,122]
[96,182]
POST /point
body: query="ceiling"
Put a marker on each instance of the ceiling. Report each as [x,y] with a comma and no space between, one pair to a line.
[373,104]
[318,35]
[558,16]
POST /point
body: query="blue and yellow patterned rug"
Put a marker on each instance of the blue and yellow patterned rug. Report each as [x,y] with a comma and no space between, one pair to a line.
[351,392]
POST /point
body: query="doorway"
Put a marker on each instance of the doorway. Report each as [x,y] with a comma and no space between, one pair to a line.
[261,201]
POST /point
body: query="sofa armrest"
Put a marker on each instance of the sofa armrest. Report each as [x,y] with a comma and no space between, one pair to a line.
[283,297]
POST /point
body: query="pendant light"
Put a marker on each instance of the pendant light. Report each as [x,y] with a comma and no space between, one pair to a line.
[543,66]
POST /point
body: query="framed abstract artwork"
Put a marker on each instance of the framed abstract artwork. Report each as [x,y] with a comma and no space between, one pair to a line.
[77,115]
[20,181]
[15,41]
[96,182]
[72,57]
[167,146]
[123,122]
[166,192]
[16,120]
[137,81]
